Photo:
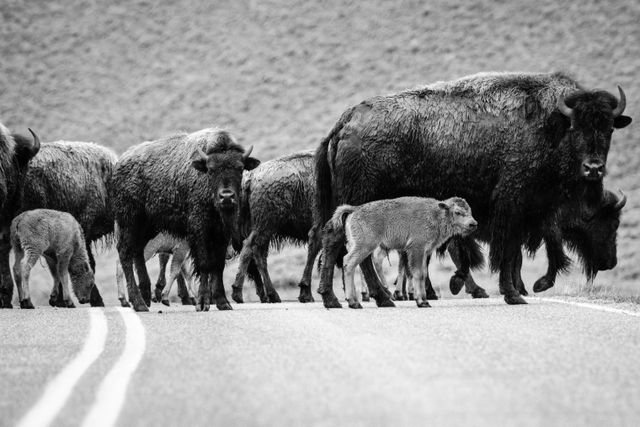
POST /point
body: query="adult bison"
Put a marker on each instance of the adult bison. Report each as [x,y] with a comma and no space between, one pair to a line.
[187,185]
[515,146]
[277,207]
[73,177]
[14,159]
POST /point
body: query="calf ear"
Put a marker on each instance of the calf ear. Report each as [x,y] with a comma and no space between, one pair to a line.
[199,160]
[621,122]
[251,163]
[444,206]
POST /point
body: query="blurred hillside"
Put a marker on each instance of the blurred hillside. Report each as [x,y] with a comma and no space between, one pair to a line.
[278,73]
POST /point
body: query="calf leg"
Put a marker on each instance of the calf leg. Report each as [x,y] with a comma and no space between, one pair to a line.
[416,263]
[56,298]
[363,288]
[314,246]
[122,295]
[400,291]
[163,260]
[376,289]
[62,269]
[175,273]
[185,287]
[430,292]
[26,263]
[354,257]
[6,282]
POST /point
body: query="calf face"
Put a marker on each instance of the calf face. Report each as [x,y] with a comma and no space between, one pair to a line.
[82,279]
[459,213]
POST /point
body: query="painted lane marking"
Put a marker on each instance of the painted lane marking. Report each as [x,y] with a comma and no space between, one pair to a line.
[592,306]
[112,392]
[59,389]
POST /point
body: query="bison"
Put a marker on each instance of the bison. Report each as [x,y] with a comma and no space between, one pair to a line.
[15,155]
[58,237]
[187,185]
[277,200]
[73,177]
[515,146]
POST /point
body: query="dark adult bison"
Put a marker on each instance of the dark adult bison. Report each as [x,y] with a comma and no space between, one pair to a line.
[277,201]
[14,159]
[513,145]
[73,177]
[187,185]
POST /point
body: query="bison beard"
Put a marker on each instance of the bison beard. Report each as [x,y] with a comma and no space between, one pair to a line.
[497,140]
[14,159]
[187,186]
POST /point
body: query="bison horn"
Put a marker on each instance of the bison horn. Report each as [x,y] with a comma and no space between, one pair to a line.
[247,153]
[36,142]
[621,201]
[621,104]
[564,109]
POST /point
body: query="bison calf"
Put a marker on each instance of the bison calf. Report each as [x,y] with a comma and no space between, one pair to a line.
[58,237]
[412,224]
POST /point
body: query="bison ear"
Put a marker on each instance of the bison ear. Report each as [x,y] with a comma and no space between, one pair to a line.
[556,127]
[251,163]
[199,160]
[621,122]
[444,206]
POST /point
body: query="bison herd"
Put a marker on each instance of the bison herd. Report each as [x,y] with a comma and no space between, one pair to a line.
[512,160]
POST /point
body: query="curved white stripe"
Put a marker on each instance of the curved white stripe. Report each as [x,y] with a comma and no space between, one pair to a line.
[112,391]
[593,306]
[59,389]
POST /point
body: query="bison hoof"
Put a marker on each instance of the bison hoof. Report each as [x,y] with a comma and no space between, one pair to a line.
[236,295]
[157,295]
[365,297]
[124,302]
[542,284]
[305,294]
[140,306]
[385,303]
[224,305]
[398,296]
[26,303]
[165,301]
[523,292]
[274,297]
[456,284]
[514,299]
[423,304]
[411,297]
[330,301]
[355,304]
[478,292]
[70,304]
[53,300]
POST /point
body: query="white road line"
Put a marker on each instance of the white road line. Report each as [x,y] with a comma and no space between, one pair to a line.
[112,391]
[59,389]
[592,306]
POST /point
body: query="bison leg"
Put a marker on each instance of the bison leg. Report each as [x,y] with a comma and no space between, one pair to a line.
[126,255]
[315,244]
[185,291]
[332,243]
[163,260]
[517,276]
[219,294]
[247,254]
[95,299]
[511,295]
[204,293]
[557,261]
[254,274]
[143,277]
[6,282]
[376,289]
[261,263]
[462,276]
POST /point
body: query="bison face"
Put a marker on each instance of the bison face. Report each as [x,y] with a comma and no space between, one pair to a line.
[460,213]
[82,279]
[594,237]
[591,118]
[224,170]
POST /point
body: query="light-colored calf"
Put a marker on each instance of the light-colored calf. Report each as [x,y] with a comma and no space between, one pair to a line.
[415,225]
[58,237]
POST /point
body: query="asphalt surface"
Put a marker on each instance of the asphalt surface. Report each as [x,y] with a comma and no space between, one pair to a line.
[461,362]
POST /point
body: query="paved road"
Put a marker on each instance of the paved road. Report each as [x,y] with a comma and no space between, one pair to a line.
[462,362]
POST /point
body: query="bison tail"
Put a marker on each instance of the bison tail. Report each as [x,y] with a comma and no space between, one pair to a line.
[325,199]
[474,251]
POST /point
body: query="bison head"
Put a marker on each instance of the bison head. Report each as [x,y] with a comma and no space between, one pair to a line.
[223,162]
[591,118]
[593,237]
